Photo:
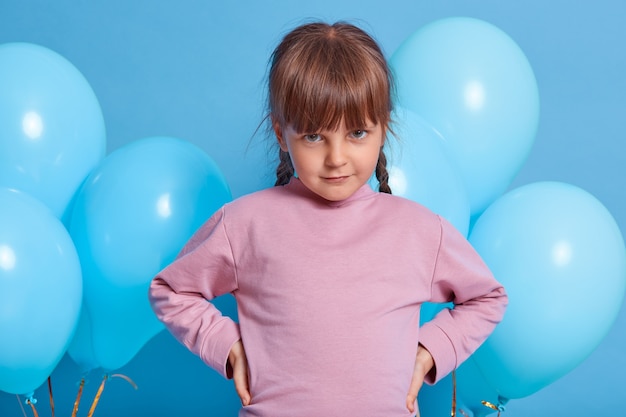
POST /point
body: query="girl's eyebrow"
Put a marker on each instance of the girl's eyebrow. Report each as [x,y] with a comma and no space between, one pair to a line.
[366,126]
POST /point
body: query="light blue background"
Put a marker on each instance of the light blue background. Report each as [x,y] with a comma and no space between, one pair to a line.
[195,70]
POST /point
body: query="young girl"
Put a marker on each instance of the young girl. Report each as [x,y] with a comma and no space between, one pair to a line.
[329,275]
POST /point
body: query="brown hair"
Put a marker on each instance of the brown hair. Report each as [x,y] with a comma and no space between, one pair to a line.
[321,75]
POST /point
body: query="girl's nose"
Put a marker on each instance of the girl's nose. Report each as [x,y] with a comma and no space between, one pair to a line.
[336,155]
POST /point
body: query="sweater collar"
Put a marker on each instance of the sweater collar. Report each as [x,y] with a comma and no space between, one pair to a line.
[297,187]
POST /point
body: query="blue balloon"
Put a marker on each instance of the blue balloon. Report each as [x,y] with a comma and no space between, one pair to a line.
[131,218]
[81,349]
[561,257]
[421,169]
[474,85]
[51,126]
[40,291]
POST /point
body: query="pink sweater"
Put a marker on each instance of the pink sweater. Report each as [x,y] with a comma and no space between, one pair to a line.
[328,297]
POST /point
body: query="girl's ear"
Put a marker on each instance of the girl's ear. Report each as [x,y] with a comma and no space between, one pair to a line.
[385,133]
[278,131]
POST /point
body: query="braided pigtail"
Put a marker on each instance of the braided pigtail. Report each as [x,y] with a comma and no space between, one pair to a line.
[381,174]
[284,171]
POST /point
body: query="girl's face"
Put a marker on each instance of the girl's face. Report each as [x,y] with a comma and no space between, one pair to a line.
[333,163]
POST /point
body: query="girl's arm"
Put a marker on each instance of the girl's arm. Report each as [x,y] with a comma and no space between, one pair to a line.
[460,276]
[179,295]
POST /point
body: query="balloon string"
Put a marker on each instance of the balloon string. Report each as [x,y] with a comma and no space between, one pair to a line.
[97,397]
[20,403]
[101,388]
[453,412]
[80,393]
[125,378]
[51,397]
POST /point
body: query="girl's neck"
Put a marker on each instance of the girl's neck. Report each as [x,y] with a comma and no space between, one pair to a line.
[296,186]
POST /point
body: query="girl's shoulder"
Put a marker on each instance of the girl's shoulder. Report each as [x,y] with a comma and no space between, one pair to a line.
[409,212]
[401,213]
[398,204]
[261,200]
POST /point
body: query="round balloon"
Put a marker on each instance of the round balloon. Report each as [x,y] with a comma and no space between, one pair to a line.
[561,257]
[421,169]
[475,86]
[40,291]
[81,346]
[51,125]
[131,218]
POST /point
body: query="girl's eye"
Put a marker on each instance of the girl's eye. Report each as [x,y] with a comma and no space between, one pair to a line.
[313,137]
[359,134]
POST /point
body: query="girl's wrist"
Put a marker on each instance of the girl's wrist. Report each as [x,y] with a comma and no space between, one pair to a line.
[424,359]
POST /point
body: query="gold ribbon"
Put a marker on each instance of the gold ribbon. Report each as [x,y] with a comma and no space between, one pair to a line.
[80,393]
[31,401]
[101,388]
[51,398]
[125,378]
[453,411]
[96,399]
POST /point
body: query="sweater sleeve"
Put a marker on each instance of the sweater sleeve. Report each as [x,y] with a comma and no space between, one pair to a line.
[179,294]
[460,276]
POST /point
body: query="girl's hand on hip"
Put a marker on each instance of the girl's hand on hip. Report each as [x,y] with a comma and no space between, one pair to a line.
[239,363]
[423,364]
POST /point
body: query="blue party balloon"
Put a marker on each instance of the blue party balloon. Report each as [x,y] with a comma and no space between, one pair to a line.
[561,257]
[421,170]
[81,348]
[131,218]
[51,126]
[474,85]
[40,291]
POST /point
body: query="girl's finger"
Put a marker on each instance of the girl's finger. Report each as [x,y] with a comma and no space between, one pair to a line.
[410,403]
[240,377]
[411,397]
